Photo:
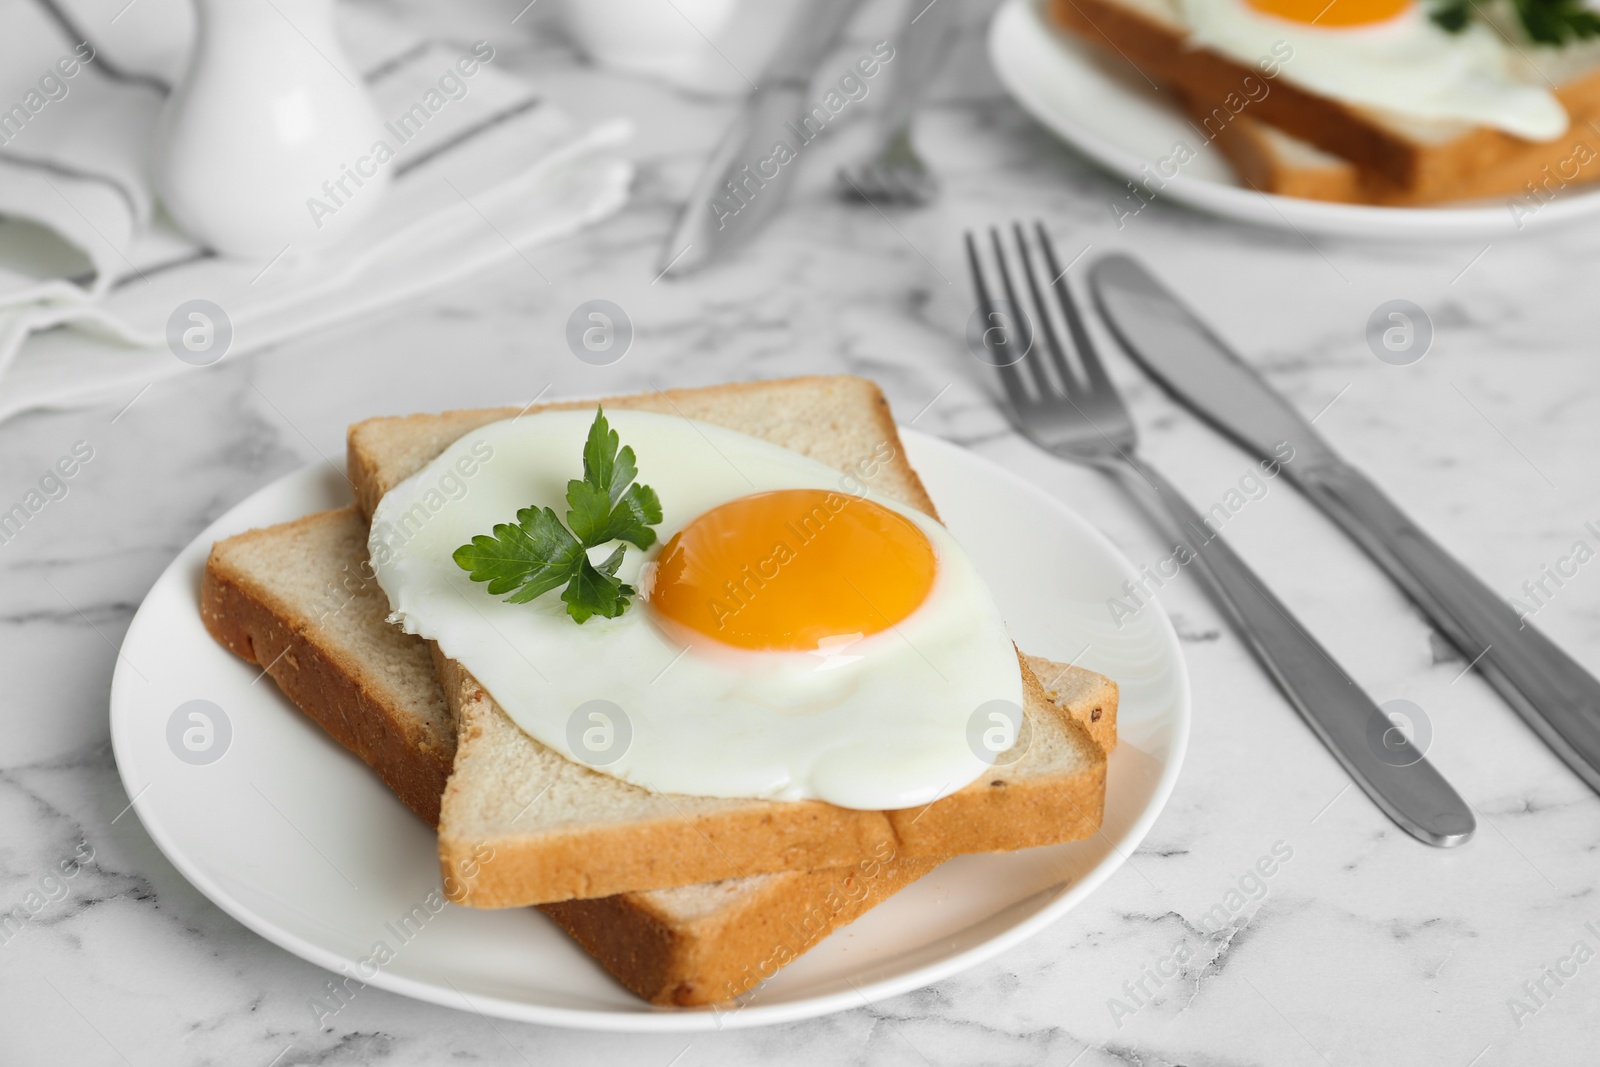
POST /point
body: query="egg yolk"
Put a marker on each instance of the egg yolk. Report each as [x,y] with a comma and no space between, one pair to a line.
[788,569]
[1332,12]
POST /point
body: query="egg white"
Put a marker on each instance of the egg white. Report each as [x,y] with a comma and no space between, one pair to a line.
[879,723]
[1406,65]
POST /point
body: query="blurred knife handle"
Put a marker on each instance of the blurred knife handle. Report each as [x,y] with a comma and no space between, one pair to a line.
[744,182]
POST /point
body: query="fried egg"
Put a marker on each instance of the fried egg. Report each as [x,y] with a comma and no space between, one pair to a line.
[1385,54]
[795,635]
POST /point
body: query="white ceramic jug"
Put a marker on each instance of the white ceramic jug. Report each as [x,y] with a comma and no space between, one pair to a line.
[266,142]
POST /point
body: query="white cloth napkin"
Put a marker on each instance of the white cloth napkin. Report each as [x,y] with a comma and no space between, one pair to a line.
[91,270]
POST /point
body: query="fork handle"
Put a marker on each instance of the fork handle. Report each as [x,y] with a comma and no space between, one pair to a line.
[1547,687]
[1382,760]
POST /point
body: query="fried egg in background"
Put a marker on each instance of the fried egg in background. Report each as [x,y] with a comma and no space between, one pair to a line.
[791,639]
[1384,54]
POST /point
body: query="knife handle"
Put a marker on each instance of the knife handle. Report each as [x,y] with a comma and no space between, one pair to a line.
[1548,688]
[1381,759]
[921,47]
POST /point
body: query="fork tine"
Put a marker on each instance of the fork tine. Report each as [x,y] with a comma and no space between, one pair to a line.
[1035,367]
[1092,367]
[1016,391]
[1058,355]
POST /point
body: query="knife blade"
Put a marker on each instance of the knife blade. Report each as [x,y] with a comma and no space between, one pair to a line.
[1557,698]
[745,180]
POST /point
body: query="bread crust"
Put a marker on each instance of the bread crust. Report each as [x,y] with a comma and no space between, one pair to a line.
[496,868]
[329,685]
[382,452]
[1249,146]
[730,953]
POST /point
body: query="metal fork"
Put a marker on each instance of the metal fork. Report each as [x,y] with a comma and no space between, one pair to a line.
[1078,415]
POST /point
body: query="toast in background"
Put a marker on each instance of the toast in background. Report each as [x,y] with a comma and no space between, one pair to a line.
[295,598]
[1399,159]
[557,830]
[1270,160]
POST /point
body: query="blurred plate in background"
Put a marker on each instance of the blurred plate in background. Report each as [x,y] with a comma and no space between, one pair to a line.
[1104,109]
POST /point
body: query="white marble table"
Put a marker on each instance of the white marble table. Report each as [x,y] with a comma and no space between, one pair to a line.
[1365,947]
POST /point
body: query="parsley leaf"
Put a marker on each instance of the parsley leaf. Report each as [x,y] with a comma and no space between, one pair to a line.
[596,591]
[604,465]
[589,511]
[1549,22]
[539,553]
[629,521]
[1453,15]
[606,505]
[1553,21]
[532,557]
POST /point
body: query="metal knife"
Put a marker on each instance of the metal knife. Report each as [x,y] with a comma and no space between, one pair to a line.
[746,178]
[1549,689]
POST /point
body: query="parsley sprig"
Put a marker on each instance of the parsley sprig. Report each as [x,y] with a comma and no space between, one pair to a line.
[1546,21]
[538,553]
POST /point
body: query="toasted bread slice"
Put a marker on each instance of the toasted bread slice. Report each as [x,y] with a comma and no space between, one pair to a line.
[841,421]
[298,599]
[522,824]
[1424,159]
[1272,161]
[589,834]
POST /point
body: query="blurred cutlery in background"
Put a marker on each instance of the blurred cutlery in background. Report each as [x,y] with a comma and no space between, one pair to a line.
[892,172]
[730,201]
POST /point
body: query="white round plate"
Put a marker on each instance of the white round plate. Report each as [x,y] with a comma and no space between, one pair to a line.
[294,837]
[1102,107]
